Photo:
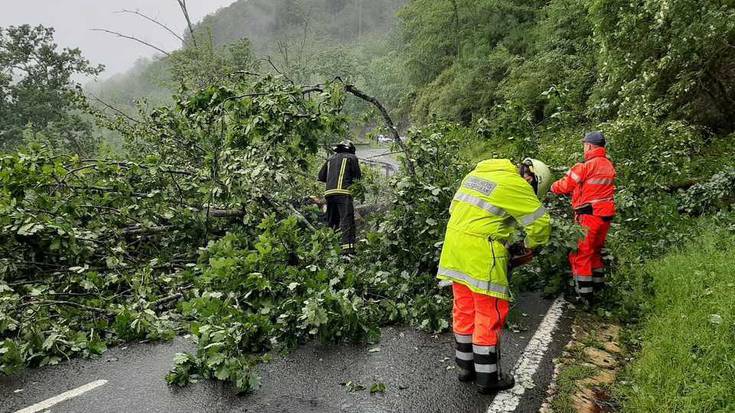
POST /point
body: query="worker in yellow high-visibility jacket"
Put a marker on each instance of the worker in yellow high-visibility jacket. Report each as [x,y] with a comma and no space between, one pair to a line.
[491,200]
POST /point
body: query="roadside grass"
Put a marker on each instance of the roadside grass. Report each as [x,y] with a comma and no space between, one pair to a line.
[686,361]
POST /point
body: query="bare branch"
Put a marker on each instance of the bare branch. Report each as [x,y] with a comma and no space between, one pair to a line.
[167,300]
[280,72]
[185,11]
[388,122]
[245,73]
[69,304]
[150,19]
[125,36]
[302,218]
[114,109]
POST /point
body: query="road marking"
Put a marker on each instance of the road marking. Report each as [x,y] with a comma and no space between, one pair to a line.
[526,367]
[63,396]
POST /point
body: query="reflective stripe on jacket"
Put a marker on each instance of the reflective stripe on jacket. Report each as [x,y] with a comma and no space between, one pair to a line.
[590,183]
[339,172]
[484,212]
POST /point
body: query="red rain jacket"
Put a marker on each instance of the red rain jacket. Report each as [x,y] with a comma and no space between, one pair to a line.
[591,183]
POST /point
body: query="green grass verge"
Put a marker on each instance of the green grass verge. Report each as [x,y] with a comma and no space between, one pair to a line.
[687,357]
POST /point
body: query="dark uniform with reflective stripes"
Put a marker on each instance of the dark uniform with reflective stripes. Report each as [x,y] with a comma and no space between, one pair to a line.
[339,172]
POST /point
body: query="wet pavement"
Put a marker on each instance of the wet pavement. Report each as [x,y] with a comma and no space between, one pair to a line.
[381,154]
[416,368]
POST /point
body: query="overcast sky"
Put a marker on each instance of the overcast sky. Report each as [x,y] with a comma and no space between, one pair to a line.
[72,20]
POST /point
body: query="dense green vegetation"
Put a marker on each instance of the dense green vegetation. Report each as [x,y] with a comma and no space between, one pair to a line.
[202,221]
[273,25]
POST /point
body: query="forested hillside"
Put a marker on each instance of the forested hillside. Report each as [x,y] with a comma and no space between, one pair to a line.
[271,25]
[309,41]
[205,222]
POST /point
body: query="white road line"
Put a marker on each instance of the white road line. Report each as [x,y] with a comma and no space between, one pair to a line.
[526,367]
[63,396]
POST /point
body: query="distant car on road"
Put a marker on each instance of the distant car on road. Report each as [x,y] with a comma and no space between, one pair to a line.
[384,139]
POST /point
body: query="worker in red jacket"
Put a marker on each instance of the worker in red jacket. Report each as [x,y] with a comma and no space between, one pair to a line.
[592,186]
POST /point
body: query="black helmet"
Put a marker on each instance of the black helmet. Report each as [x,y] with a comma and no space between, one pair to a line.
[345,146]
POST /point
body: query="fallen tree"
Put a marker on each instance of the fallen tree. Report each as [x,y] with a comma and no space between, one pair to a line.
[198,230]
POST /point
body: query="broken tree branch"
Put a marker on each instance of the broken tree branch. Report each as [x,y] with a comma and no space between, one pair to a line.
[302,218]
[185,11]
[69,304]
[388,122]
[125,36]
[169,299]
[226,213]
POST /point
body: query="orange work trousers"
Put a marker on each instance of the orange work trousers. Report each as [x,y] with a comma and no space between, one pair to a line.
[478,320]
[586,262]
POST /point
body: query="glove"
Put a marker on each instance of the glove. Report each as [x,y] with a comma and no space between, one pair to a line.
[519,256]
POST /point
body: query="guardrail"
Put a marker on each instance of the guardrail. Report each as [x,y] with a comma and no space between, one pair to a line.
[389,168]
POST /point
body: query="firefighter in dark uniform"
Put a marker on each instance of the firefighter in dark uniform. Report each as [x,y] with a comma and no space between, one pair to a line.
[339,172]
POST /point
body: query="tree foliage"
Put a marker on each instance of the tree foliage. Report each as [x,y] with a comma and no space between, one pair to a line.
[105,241]
[670,59]
[38,90]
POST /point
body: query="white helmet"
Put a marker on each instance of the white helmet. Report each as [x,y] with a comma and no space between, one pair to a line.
[543,176]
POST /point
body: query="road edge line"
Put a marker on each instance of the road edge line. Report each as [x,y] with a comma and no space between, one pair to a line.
[528,364]
[40,406]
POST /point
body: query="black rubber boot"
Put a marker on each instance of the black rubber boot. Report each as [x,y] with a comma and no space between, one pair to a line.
[587,301]
[465,375]
[600,284]
[505,381]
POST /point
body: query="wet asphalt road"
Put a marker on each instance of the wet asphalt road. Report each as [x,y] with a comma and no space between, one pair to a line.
[416,368]
[379,154]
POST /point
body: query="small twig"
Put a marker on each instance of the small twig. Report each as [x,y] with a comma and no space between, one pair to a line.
[168,299]
[273,65]
[92,188]
[128,164]
[381,155]
[150,19]
[178,188]
[145,231]
[114,109]
[72,294]
[244,72]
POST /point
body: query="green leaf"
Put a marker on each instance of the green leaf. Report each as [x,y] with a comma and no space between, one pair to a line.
[222,373]
[377,388]
[50,341]
[97,346]
[182,358]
